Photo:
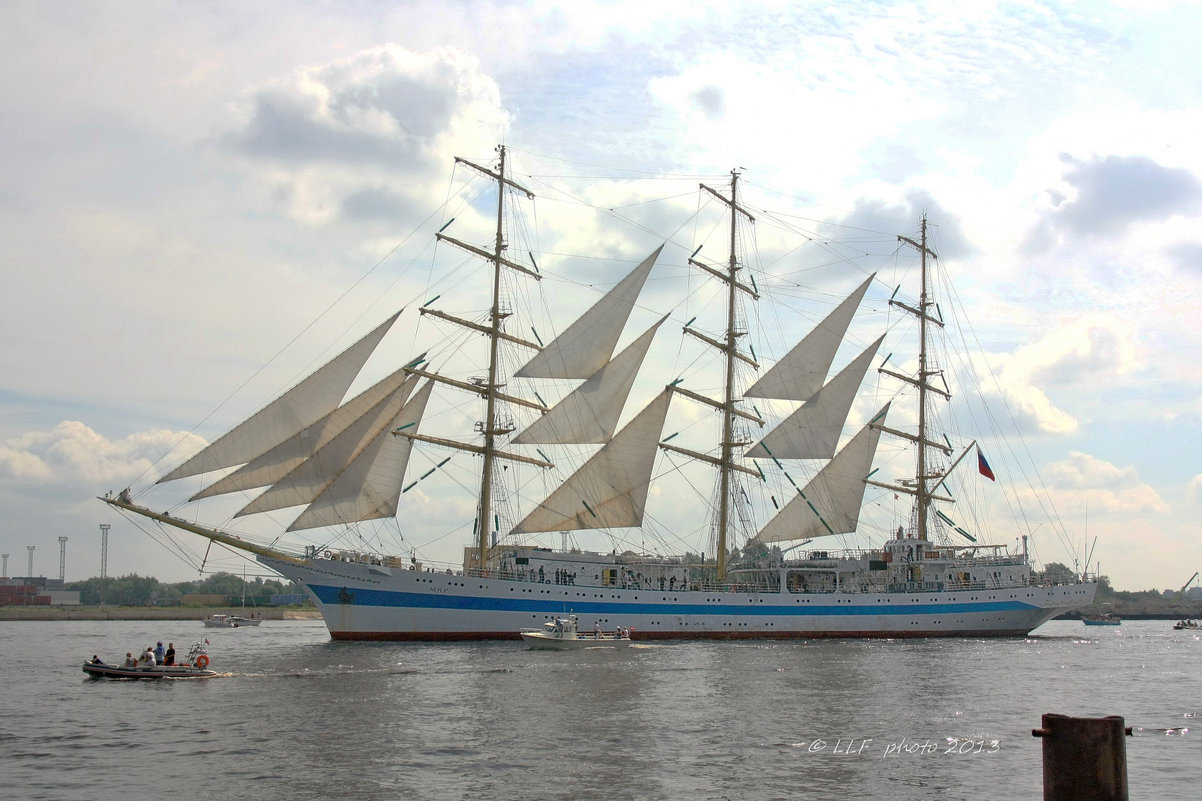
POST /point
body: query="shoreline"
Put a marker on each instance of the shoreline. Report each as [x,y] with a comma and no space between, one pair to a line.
[149,613]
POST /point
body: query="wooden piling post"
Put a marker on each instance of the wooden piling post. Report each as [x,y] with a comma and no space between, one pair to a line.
[1084,758]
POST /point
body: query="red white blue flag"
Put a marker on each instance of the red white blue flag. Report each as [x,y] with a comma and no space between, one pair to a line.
[983,466]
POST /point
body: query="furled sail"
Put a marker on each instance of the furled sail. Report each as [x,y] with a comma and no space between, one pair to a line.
[830,502]
[311,477]
[610,489]
[587,344]
[370,487]
[812,431]
[802,371]
[590,413]
[281,460]
[298,408]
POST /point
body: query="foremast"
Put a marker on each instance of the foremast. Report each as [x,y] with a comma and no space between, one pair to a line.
[492,428]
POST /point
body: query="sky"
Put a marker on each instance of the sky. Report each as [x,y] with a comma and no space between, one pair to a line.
[190,188]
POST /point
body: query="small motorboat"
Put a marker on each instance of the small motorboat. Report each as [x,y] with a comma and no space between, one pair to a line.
[1183,625]
[1102,619]
[195,667]
[230,621]
[562,634]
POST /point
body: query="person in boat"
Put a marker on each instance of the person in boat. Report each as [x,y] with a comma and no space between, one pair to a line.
[96,660]
[147,658]
[129,660]
[169,654]
[159,653]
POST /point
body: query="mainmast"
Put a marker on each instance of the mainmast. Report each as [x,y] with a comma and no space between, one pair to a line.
[729,345]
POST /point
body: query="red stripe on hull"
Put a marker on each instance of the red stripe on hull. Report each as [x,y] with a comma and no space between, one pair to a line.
[476,636]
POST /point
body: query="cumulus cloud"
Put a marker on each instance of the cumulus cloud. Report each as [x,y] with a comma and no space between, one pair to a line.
[902,216]
[1194,490]
[330,136]
[1103,195]
[72,453]
[1089,351]
[1090,483]
[1187,256]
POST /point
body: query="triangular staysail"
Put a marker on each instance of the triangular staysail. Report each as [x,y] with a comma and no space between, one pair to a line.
[370,487]
[278,462]
[812,431]
[310,478]
[589,414]
[610,489]
[802,371]
[587,344]
[830,502]
[297,409]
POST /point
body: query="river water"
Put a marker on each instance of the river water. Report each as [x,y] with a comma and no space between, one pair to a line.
[297,716]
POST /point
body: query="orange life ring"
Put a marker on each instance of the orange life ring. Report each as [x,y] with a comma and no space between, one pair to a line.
[202,661]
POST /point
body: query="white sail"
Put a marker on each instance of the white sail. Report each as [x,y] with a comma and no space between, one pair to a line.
[278,462]
[311,477]
[590,413]
[295,410]
[812,431]
[801,372]
[370,487]
[588,343]
[610,489]
[830,502]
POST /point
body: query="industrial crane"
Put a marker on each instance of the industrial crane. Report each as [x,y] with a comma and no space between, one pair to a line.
[1185,586]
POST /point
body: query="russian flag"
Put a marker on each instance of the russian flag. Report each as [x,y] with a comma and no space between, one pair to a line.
[983,466]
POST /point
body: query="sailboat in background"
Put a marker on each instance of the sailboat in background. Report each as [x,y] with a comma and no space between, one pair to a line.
[346,462]
[233,621]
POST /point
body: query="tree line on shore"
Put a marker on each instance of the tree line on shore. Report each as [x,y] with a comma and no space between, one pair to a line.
[135,590]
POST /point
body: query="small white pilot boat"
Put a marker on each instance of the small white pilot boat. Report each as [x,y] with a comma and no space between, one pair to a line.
[562,634]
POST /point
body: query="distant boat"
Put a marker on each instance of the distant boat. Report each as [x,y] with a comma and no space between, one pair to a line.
[1101,619]
[562,634]
[229,621]
[233,621]
[1186,625]
[195,667]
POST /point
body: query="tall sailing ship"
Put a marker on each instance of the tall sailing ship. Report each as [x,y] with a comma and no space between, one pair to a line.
[345,462]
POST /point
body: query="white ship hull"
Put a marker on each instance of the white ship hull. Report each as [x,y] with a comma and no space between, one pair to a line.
[374,602]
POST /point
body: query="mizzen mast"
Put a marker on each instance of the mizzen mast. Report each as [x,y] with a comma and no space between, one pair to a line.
[923,494]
